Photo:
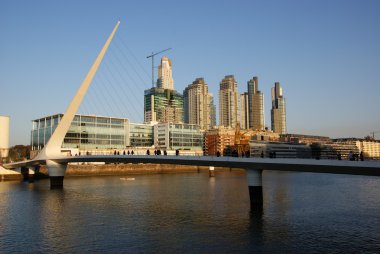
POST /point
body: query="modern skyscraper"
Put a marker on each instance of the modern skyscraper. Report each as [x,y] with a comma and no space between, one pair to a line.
[278,112]
[197,104]
[163,105]
[165,76]
[228,102]
[244,111]
[212,110]
[256,105]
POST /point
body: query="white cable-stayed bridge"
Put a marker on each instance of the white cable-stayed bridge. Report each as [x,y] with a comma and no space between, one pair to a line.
[117,83]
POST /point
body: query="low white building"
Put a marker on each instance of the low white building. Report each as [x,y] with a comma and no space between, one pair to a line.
[4,136]
[139,135]
[281,149]
[370,149]
[181,136]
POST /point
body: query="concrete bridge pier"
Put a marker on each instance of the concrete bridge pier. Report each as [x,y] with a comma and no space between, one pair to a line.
[56,174]
[255,187]
[25,173]
[31,174]
[36,170]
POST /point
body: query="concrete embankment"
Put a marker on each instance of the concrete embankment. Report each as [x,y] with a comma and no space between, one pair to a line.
[128,169]
[7,175]
[111,169]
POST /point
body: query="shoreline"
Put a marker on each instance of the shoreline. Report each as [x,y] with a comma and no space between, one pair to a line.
[9,175]
[75,170]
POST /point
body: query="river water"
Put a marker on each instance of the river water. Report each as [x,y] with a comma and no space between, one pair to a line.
[192,213]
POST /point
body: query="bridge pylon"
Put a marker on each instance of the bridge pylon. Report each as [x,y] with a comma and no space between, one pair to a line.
[53,148]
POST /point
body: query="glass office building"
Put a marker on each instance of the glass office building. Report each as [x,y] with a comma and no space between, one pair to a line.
[140,135]
[163,105]
[182,136]
[90,132]
[85,132]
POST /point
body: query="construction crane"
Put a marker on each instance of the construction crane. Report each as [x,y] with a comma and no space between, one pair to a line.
[241,141]
[239,146]
[152,56]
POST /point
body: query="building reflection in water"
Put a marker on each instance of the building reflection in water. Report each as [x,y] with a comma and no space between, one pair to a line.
[183,212]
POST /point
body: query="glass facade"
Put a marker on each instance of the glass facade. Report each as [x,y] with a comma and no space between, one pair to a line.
[212,111]
[163,105]
[282,150]
[86,131]
[178,136]
[42,130]
[140,135]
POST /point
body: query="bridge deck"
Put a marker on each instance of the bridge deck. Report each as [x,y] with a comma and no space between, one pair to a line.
[371,168]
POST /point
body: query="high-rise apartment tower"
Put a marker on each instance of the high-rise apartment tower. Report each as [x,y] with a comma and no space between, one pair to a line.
[163,106]
[165,76]
[228,102]
[278,112]
[212,110]
[244,111]
[197,104]
[163,103]
[256,105]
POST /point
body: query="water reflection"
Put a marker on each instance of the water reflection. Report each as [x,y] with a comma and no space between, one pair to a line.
[192,213]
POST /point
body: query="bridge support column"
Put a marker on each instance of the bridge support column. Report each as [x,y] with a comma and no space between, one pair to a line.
[56,174]
[36,170]
[211,171]
[25,173]
[255,187]
[31,174]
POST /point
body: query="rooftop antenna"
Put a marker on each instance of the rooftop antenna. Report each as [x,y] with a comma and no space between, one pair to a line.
[152,56]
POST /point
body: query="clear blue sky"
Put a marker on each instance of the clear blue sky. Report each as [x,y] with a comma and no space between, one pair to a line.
[325,54]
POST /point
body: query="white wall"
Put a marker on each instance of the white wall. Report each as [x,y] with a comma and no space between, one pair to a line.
[4,136]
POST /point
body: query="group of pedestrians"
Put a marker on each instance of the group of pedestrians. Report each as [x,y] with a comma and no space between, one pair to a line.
[355,157]
[124,153]
[351,156]
[156,152]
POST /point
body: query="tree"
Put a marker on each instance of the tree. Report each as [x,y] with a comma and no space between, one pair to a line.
[19,153]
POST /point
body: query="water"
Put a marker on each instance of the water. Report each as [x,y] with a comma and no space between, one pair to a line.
[192,213]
